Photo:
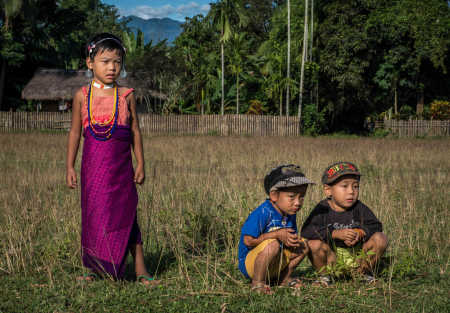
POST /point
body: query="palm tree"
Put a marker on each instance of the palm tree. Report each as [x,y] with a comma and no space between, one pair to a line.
[223,13]
[302,71]
[10,8]
[312,31]
[237,65]
[134,44]
[272,71]
[288,74]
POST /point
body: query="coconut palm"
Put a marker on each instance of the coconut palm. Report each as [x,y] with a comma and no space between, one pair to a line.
[288,72]
[10,8]
[224,12]
[237,62]
[304,59]
[274,80]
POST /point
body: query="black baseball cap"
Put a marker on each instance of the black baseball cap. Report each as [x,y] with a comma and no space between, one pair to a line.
[283,176]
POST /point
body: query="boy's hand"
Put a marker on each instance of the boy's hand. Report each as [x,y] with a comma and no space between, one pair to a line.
[71,178]
[351,243]
[346,235]
[139,175]
[360,234]
[349,236]
[288,237]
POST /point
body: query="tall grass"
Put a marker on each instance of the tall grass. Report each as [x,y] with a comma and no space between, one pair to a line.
[199,191]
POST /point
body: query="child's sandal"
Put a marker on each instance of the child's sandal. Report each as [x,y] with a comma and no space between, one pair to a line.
[295,283]
[147,280]
[88,277]
[369,279]
[322,281]
[262,289]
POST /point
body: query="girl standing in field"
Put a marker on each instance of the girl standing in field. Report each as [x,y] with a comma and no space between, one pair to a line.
[106,112]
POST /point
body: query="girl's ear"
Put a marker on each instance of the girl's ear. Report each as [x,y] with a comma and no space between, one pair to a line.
[273,195]
[327,190]
[89,63]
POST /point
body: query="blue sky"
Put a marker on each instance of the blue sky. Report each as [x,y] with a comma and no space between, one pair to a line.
[175,9]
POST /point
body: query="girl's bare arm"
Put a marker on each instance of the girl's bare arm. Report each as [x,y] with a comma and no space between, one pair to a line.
[74,139]
[139,175]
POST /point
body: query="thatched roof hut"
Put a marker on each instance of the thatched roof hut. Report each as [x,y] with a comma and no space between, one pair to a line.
[54,84]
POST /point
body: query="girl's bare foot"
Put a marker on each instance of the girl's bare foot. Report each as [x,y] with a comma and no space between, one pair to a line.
[147,280]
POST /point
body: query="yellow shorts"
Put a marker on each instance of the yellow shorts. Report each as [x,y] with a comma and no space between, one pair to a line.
[275,267]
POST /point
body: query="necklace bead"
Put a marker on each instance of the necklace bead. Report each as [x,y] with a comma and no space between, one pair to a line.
[111,123]
[102,86]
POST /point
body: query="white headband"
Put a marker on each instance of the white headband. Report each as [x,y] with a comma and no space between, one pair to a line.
[93,45]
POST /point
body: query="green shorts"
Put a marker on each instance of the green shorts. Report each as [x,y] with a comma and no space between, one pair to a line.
[348,255]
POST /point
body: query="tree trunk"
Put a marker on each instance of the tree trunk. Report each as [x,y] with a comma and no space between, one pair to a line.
[395,101]
[310,54]
[203,102]
[312,32]
[237,93]
[6,22]
[222,109]
[160,92]
[2,82]
[420,101]
[281,103]
[302,71]
[288,74]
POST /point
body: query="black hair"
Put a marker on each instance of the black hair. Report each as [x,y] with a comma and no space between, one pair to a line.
[334,182]
[102,42]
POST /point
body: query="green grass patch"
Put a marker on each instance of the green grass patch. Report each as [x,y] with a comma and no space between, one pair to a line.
[198,192]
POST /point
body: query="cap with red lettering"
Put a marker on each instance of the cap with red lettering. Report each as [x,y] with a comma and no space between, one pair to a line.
[339,169]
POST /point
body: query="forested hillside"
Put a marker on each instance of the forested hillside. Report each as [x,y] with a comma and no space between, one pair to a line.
[155,29]
[338,62]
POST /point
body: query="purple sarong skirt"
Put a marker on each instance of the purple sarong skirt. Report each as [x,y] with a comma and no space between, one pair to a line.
[108,202]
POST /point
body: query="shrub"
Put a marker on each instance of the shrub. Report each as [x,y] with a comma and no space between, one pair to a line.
[405,112]
[381,133]
[440,110]
[256,107]
[313,121]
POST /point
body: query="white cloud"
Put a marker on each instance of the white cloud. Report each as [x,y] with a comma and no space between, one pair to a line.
[168,10]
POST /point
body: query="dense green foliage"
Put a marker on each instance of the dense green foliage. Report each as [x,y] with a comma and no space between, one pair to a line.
[364,56]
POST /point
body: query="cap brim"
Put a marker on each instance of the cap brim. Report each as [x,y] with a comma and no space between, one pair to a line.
[292,182]
[341,175]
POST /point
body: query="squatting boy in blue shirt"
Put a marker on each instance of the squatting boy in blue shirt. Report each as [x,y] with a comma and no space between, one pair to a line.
[269,247]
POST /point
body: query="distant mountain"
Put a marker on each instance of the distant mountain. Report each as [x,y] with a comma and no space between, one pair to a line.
[155,29]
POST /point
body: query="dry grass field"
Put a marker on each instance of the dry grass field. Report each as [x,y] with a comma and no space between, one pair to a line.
[197,194]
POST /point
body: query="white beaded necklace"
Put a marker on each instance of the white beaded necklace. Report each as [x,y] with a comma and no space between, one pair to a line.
[101,86]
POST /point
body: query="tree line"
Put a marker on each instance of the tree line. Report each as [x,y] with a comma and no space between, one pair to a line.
[332,62]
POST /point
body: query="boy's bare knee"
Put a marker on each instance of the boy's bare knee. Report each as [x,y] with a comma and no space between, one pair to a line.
[380,241]
[314,245]
[271,250]
[317,246]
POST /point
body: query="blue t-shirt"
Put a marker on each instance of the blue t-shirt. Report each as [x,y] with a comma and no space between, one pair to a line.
[263,219]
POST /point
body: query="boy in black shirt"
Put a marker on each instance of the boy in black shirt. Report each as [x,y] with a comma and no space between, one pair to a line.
[342,222]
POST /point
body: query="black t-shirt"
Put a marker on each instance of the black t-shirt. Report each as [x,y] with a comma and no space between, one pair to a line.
[323,220]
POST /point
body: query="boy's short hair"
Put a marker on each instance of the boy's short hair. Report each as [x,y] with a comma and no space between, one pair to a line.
[284,176]
[337,170]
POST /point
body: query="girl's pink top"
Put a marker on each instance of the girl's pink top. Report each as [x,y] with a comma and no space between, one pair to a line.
[103,106]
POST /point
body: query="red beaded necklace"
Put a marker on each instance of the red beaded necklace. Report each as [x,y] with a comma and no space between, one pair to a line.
[94,126]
